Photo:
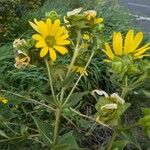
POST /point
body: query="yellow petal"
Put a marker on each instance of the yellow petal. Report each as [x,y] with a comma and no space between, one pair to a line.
[43,28]
[37,37]
[64,37]
[141,56]
[62,50]
[128,42]
[52,54]
[141,51]
[109,51]
[63,42]
[43,52]
[61,31]
[49,25]
[137,40]
[35,20]
[34,26]
[40,44]
[3,100]
[55,27]
[117,43]
[98,20]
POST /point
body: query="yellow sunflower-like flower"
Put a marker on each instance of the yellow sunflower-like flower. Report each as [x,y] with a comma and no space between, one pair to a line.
[130,45]
[80,70]
[51,38]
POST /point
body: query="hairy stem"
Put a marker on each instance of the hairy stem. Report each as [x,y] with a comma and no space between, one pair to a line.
[57,122]
[50,79]
[72,90]
[75,53]
[125,89]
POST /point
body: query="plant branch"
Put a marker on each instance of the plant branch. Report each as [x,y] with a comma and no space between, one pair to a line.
[72,90]
[75,53]
[50,79]
[57,122]
[29,99]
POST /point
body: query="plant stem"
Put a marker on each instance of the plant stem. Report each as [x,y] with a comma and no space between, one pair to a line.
[57,122]
[29,100]
[75,53]
[125,89]
[88,117]
[78,79]
[50,78]
[112,140]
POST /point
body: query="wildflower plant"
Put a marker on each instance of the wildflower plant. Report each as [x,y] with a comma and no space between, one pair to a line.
[64,47]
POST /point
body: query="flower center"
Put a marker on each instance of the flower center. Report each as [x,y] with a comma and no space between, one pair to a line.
[50,41]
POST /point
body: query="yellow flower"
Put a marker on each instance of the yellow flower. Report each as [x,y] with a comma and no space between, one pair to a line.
[91,16]
[51,38]
[80,70]
[130,45]
[3,100]
[86,37]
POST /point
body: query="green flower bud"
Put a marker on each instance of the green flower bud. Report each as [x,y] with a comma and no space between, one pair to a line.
[52,15]
[117,66]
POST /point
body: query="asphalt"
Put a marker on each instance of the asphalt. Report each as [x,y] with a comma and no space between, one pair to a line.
[141,10]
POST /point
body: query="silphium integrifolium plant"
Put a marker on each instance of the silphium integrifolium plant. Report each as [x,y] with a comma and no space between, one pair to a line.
[65,46]
[72,40]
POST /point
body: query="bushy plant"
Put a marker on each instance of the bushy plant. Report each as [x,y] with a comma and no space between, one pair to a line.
[45,100]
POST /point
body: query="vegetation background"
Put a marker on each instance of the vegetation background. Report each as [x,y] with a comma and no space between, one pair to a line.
[15,118]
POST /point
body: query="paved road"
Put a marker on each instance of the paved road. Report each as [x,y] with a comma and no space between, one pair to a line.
[139,8]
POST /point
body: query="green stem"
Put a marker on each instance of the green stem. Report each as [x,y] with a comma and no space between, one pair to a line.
[50,79]
[57,122]
[125,88]
[72,90]
[75,53]
[112,140]
[88,117]
[29,100]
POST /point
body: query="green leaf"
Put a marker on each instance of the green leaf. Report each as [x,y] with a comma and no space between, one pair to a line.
[129,136]
[119,144]
[44,130]
[70,140]
[76,97]
[2,133]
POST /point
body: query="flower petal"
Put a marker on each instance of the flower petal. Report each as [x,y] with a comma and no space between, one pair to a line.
[52,54]
[62,42]
[109,51]
[37,37]
[137,40]
[117,43]
[62,50]
[49,25]
[55,27]
[40,44]
[43,28]
[61,31]
[43,52]
[128,42]
[34,26]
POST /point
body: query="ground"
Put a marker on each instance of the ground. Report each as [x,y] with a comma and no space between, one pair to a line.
[139,8]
